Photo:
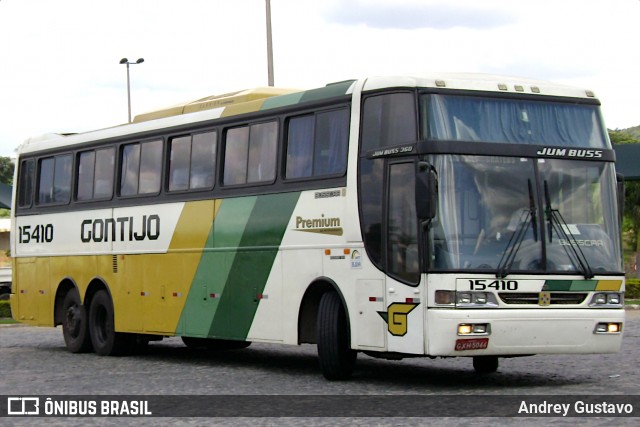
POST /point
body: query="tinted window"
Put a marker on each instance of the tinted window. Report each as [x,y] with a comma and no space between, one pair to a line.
[25,192]
[388,120]
[250,154]
[402,230]
[141,168]
[192,162]
[95,174]
[317,144]
[55,180]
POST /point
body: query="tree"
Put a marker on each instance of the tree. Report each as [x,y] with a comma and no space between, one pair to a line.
[631,223]
[6,170]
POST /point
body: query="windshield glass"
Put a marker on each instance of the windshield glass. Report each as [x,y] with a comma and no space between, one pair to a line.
[499,120]
[491,217]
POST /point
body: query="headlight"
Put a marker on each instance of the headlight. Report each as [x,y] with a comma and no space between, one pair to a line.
[607,300]
[476,299]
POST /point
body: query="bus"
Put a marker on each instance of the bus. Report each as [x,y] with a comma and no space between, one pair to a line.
[448,215]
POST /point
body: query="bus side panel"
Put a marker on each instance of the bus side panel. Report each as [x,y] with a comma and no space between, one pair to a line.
[154,287]
[239,257]
[258,248]
[33,299]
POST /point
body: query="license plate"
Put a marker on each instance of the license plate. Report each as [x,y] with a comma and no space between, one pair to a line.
[472,344]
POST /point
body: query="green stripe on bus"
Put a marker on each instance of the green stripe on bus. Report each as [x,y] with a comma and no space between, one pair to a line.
[569,285]
[215,264]
[252,265]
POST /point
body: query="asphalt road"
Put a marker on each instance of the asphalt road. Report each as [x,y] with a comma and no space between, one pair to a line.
[34,362]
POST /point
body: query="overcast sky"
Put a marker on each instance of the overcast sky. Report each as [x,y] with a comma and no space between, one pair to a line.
[60,71]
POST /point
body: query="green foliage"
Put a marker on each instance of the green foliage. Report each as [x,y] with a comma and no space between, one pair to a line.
[631,224]
[624,136]
[6,170]
[632,289]
[5,309]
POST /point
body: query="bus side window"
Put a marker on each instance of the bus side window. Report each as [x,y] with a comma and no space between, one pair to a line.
[25,186]
[300,147]
[54,186]
[179,156]
[141,168]
[250,154]
[317,144]
[130,170]
[203,160]
[388,120]
[103,176]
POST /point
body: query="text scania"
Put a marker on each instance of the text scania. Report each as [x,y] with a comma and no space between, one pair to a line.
[127,228]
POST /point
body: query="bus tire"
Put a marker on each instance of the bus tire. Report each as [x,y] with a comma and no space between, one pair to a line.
[75,324]
[485,364]
[337,359]
[106,341]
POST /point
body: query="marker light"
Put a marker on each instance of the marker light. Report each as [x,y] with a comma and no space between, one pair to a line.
[445,297]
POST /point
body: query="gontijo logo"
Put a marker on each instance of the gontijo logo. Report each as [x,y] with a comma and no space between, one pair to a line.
[396,317]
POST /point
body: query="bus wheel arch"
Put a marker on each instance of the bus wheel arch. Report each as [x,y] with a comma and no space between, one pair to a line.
[308,312]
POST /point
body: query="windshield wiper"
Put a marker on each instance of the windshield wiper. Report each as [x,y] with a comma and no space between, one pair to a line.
[557,223]
[527,217]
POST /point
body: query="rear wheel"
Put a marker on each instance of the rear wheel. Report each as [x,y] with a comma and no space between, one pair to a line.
[337,359]
[106,341]
[75,323]
[485,364]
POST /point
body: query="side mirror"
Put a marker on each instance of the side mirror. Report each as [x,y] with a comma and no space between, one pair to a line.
[426,192]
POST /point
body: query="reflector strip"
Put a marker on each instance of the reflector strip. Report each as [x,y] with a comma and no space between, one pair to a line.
[375,299]
[413,300]
[177,294]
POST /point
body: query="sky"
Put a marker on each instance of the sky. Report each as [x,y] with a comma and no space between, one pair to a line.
[60,71]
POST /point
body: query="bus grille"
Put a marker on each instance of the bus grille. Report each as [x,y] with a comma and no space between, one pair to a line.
[557,298]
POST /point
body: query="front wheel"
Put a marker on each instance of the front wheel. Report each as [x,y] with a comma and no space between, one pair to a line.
[75,327]
[485,364]
[106,341]
[337,359]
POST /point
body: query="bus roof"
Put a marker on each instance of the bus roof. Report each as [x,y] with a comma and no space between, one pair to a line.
[253,100]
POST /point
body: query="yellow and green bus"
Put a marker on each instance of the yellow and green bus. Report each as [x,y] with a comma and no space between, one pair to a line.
[428,215]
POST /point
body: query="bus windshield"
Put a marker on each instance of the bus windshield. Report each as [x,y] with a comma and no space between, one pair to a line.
[507,214]
[472,118]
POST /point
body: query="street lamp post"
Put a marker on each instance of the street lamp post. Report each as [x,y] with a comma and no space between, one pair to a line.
[126,61]
[269,45]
